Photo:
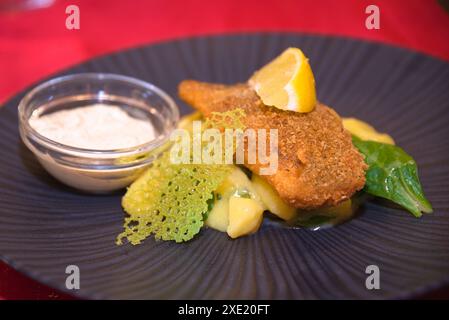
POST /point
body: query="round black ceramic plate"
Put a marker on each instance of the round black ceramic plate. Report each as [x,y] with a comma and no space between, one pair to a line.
[45,226]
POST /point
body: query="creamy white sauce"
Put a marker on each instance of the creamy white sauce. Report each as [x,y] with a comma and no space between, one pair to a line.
[99,127]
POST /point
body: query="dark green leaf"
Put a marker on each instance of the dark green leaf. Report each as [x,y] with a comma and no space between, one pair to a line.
[393,175]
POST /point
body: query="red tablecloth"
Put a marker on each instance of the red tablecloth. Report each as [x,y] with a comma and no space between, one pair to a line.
[36,43]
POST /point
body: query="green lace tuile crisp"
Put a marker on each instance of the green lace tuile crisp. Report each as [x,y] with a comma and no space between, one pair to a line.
[169,201]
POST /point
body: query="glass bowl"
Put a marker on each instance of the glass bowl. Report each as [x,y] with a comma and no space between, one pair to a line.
[91,170]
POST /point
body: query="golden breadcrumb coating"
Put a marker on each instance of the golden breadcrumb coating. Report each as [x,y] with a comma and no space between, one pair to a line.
[318,164]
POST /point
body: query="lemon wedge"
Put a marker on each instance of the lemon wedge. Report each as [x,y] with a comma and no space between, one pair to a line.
[287,82]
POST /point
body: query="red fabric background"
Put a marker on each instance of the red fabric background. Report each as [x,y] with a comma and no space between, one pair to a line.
[35,43]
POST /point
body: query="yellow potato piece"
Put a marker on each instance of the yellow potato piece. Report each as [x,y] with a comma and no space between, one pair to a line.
[186,121]
[271,199]
[236,182]
[339,213]
[364,131]
[218,218]
[245,216]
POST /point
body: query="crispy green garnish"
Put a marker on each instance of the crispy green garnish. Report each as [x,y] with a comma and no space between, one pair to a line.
[210,205]
[231,119]
[171,201]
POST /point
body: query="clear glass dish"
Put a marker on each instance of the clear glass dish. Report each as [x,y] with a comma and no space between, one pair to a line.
[91,170]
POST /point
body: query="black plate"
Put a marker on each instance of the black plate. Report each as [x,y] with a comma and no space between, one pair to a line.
[45,226]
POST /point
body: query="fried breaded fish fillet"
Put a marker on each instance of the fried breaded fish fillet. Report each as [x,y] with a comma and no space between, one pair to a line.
[318,164]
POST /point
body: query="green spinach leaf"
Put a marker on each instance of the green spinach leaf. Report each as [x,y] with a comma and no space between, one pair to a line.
[393,175]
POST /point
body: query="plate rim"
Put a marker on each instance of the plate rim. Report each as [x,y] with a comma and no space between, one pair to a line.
[42,279]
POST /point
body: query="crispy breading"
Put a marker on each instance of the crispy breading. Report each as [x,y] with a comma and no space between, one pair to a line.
[318,164]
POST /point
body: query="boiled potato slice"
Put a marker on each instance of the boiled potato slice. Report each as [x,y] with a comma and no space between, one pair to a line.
[186,121]
[364,131]
[218,218]
[271,199]
[237,183]
[338,213]
[341,212]
[245,216]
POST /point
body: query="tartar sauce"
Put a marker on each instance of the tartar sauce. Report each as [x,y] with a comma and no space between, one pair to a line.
[98,127]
